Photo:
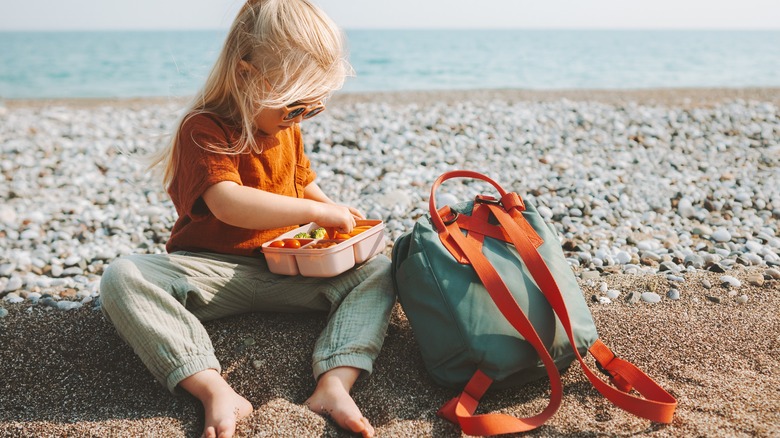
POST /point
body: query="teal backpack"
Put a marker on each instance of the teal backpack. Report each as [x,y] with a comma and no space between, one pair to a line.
[492,301]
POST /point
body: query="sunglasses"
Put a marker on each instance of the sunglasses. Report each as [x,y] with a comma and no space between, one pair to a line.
[308,111]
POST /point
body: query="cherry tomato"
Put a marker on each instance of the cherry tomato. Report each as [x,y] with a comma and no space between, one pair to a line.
[292,243]
[276,244]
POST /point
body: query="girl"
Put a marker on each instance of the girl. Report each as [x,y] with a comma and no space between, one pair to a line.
[238,176]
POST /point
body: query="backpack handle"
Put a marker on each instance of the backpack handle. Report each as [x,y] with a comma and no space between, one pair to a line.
[438,221]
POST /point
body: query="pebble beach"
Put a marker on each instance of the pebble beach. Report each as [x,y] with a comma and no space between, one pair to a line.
[667,204]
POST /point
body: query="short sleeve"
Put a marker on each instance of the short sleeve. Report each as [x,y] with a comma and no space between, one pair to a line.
[199,165]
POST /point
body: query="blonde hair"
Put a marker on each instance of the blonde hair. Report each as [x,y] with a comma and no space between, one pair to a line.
[277,52]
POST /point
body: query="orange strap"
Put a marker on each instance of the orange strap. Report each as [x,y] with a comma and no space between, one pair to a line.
[462,408]
[658,405]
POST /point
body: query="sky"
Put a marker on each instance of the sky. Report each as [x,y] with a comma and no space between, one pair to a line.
[362,14]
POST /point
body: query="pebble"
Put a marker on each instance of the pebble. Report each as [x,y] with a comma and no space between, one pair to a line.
[77,203]
[756,279]
[673,294]
[742,299]
[721,235]
[3,312]
[14,283]
[68,305]
[706,283]
[590,275]
[675,279]
[613,294]
[773,273]
[651,297]
[632,297]
[728,280]
[13,298]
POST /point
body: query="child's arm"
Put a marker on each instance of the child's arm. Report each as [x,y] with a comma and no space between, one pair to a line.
[315,193]
[247,207]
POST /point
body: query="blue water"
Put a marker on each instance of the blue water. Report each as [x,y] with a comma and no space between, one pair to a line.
[175,63]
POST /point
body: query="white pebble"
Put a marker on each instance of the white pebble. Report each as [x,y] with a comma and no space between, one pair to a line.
[721,235]
[728,280]
[651,297]
[13,298]
[14,283]
[623,257]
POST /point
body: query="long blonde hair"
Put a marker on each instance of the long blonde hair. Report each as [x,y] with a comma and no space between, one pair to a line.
[277,52]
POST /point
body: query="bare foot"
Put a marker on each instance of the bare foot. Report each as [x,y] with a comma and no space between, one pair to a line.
[223,406]
[331,399]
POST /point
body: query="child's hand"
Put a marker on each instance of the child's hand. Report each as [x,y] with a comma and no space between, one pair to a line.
[356,213]
[339,217]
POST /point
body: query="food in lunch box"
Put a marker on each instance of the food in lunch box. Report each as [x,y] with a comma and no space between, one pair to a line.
[291,243]
[359,229]
[286,243]
[321,245]
[319,233]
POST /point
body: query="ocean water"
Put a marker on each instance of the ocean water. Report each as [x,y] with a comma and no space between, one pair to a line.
[37,65]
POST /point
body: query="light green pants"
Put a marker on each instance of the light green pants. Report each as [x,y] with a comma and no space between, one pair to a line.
[157,303]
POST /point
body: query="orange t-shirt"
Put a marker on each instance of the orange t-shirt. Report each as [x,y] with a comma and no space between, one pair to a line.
[281,168]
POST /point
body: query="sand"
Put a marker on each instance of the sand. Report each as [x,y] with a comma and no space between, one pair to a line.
[69,374]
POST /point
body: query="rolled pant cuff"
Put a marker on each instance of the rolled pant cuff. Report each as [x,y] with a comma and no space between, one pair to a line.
[194,365]
[359,361]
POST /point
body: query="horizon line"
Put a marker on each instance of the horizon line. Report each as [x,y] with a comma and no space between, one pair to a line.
[411,28]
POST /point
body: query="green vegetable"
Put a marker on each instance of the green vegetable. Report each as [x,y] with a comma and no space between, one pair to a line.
[319,233]
[301,236]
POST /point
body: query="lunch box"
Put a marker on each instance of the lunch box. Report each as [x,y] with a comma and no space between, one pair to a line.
[324,262]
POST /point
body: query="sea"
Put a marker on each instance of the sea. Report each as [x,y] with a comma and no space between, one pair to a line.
[122,64]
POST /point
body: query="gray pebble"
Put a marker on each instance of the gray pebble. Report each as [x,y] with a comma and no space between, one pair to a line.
[694,260]
[632,297]
[673,294]
[651,297]
[675,278]
[68,305]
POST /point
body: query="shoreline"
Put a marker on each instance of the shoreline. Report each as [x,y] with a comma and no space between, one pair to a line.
[687,97]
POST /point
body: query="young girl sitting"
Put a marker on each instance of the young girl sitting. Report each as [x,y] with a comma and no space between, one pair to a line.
[238,176]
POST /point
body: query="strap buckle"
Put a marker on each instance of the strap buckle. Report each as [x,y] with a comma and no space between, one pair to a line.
[603,370]
[482,199]
[453,217]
